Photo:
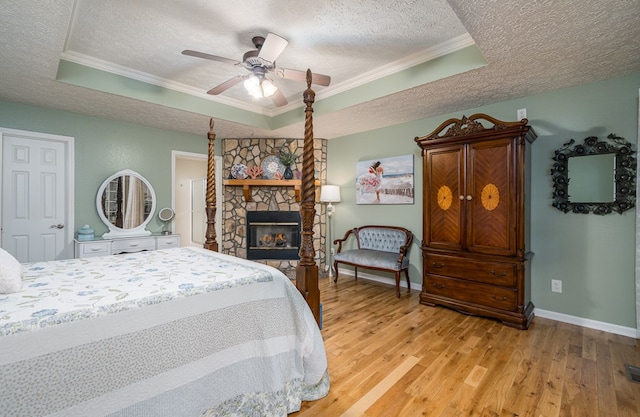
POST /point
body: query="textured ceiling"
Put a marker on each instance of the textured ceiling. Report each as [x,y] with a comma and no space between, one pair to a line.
[529,46]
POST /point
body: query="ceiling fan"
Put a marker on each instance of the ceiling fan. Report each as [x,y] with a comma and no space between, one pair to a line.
[261,63]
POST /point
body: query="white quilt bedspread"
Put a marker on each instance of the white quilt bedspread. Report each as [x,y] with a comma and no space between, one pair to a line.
[176,332]
[73,289]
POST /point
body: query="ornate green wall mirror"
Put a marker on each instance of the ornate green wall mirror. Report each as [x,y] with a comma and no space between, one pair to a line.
[597,177]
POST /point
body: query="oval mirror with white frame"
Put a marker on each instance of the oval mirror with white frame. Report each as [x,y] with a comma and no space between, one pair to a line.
[126,202]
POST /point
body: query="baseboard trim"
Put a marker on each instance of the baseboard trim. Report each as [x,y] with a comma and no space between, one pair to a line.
[552,315]
[588,323]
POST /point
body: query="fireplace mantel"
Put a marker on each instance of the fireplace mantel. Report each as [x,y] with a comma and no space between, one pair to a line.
[246,185]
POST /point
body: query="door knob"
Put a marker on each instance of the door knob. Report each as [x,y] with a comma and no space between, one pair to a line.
[56,226]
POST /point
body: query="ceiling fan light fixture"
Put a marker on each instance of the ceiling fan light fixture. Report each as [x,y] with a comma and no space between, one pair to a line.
[259,87]
[268,88]
[260,62]
[252,85]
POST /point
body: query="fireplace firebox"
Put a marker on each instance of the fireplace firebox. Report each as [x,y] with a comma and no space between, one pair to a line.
[273,235]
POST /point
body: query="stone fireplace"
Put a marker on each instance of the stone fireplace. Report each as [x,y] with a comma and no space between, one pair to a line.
[263,198]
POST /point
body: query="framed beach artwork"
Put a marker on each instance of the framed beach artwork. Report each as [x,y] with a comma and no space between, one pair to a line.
[385,181]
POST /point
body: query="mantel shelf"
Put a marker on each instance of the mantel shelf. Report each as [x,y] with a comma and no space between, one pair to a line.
[246,185]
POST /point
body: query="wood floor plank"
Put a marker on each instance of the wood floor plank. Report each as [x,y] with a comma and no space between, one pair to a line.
[490,394]
[530,379]
[397,397]
[465,365]
[551,398]
[379,390]
[607,403]
[627,392]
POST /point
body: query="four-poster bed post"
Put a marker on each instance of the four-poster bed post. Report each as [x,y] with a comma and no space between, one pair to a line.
[307,269]
[210,235]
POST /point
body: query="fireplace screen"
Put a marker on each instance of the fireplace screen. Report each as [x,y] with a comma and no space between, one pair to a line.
[273,234]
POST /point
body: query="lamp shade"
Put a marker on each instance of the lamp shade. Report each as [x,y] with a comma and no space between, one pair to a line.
[330,194]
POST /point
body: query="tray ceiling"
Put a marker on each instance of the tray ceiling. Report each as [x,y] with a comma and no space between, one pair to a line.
[390,61]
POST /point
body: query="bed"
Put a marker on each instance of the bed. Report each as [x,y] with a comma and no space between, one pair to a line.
[172,332]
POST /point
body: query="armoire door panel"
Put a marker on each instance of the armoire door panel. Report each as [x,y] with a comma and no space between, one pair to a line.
[444,186]
[491,213]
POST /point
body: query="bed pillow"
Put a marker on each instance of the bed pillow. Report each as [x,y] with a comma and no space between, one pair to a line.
[10,274]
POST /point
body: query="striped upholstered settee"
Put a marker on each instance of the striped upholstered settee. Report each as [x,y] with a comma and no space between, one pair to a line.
[383,248]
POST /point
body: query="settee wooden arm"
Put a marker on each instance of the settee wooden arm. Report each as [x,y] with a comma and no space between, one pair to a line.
[404,249]
[344,238]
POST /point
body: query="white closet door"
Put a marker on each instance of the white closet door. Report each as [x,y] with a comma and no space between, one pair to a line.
[35,198]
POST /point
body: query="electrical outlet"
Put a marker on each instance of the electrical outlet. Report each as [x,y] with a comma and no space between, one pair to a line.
[521,114]
[556,285]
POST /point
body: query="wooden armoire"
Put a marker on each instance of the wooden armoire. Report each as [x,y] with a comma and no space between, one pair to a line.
[476,218]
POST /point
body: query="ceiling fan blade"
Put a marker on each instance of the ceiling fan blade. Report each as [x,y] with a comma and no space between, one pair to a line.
[272,48]
[278,99]
[197,54]
[227,84]
[296,75]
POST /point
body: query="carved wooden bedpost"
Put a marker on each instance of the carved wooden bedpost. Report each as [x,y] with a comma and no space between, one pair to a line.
[307,270]
[210,235]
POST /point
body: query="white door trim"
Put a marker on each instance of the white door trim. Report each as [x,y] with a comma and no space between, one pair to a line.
[69,151]
[638,231]
[218,173]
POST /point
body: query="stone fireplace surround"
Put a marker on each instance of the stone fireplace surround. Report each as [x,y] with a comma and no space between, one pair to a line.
[234,207]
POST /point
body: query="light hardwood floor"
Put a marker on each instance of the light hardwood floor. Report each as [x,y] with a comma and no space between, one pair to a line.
[396,357]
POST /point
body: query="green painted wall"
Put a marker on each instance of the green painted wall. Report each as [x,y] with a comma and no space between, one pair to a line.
[103,147]
[594,256]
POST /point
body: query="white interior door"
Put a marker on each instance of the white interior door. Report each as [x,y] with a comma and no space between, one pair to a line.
[37,185]
[198,214]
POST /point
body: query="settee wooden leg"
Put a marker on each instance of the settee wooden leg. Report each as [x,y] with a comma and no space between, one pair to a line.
[355,272]
[406,272]
[398,284]
[335,266]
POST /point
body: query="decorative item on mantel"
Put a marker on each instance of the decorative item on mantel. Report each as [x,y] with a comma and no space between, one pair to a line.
[238,171]
[254,172]
[287,158]
[270,166]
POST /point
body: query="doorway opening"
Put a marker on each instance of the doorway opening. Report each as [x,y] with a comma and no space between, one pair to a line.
[188,173]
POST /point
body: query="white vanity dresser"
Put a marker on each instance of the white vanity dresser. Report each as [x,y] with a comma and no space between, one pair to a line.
[102,247]
[126,203]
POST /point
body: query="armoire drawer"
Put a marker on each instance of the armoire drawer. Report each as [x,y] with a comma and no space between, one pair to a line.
[496,273]
[472,292]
